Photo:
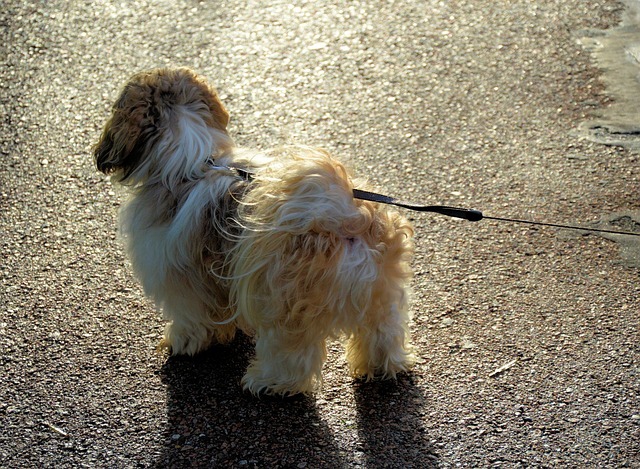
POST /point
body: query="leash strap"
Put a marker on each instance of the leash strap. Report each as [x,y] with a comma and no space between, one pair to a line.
[465,213]
[455,212]
[469,214]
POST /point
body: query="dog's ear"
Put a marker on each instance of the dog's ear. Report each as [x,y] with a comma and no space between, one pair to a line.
[129,132]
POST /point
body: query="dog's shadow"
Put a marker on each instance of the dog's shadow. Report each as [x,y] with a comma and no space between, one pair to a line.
[213,423]
[390,424]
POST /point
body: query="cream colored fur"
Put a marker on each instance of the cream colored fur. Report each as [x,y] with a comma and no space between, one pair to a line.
[289,257]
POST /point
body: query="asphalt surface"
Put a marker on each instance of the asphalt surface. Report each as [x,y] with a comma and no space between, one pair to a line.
[527,336]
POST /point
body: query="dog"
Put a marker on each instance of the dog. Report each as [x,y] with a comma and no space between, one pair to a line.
[271,243]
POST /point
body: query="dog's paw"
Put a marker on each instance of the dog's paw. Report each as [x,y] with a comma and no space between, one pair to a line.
[164,346]
[387,368]
[182,341]
[260,383]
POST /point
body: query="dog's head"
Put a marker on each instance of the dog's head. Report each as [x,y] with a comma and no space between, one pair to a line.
[165,123]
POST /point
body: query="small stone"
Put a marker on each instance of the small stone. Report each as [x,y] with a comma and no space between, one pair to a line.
[446,322]
[467,344]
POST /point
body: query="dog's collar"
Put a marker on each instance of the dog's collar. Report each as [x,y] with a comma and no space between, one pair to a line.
[244,174]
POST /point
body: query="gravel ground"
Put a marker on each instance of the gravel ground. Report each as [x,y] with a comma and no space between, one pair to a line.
[528,337]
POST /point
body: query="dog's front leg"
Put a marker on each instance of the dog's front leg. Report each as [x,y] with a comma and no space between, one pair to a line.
[194,325]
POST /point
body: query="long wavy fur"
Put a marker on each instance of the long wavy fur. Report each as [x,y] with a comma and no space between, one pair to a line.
[289,257]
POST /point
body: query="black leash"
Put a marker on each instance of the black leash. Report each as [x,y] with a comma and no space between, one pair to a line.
[456,212]
[468,214]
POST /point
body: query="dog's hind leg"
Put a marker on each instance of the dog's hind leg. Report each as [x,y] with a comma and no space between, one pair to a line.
[286,362]
[379,347]
[379,344]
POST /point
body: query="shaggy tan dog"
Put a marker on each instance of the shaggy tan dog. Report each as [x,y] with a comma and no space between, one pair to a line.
[272,243]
